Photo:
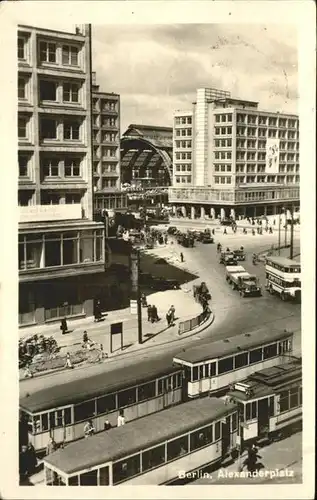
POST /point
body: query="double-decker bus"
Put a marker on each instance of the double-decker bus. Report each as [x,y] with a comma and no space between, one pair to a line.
[283,277]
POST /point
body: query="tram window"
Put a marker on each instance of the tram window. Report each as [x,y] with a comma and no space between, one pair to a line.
[201,372]
[161,386]
[253,409]
[234,422]
[127,467]
[153,458]
[67,416]
[195,373]
[89,478]
[104,476]
[225,365]
[270,351]
[85,410]
[284,401]
[73,481]
[217,431]
[241,360]
[188,372]
[248,412]
[241,411]
[300,396]
[52,419]
[200,438]
[293,402]
[212,369]
[255,355]
[44,417]
[59,418]
[271,406]
[146,391]
[177,447]
[177,380]
[126,398]
[106,403]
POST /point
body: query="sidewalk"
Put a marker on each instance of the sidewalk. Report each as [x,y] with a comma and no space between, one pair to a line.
[153,334]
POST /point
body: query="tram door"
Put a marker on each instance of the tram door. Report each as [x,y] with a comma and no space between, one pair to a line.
[263,416]
[225,438]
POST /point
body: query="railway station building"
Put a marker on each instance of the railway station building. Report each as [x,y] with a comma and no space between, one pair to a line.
[232,159]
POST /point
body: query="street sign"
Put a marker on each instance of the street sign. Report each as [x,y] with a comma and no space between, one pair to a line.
[116,329]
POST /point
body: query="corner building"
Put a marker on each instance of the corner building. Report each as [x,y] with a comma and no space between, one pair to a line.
[59,243]
[230,158]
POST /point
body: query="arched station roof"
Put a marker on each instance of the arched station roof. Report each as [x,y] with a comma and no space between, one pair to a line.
[146,154]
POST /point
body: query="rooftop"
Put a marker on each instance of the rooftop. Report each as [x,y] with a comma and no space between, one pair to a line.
[233,345]
[137,435]
[283,261]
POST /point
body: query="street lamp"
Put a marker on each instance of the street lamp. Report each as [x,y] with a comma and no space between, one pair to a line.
[279,230]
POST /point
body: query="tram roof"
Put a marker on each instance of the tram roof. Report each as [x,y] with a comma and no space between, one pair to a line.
[139,434]
[283,261]
[96,385]
[268,381]
[232,345]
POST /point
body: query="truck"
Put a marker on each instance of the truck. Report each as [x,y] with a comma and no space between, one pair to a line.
[227,258]
[239,279]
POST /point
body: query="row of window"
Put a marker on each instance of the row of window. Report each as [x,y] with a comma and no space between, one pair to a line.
[284,269]
[223,155]
[262,156]
[223,118]
[267,120]
[103,105]
[50,128]
[262,132]
[103,121]
[222,168]
[251,144]
[223,130]
[183,132]
[283,283]
[183,168]
[105,136]
[185,179]
[183,144]
[105,152]
[106,404]
[183,120]
[261,167]
[290,399]
[223,143]
[252,410]
[288,179]
[53,91]
[183,156]
[108,202]
[222,180]
[231,363]
[25,198]
[52,167]
[148,459]
[106,168]
[51,52]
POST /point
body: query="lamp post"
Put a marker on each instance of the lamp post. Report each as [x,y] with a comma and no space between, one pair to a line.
[279,230]
[135,289]
[292,234]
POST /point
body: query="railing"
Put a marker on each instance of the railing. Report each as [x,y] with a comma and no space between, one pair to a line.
[190,324]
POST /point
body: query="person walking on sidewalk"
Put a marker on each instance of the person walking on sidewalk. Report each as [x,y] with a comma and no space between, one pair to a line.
[154,316]
[68,363]
[89,429]
[172,315]
[63,326]
[182,257]
[149,312]
[51,446]
[143,300]
[107,425]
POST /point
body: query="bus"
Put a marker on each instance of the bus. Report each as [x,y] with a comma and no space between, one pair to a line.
[150,451]
[211,368]
[61,411]
[270,403]
[283,277]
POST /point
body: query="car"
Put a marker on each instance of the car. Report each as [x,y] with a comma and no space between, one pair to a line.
[207,240]
[239,254]
[228,259]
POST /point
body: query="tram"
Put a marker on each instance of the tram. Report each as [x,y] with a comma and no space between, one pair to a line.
[149,451]
[283,277]
[61,411]
[269,401]
[211,368]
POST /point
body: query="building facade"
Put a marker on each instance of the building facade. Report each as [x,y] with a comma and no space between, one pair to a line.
[230,158]
[59,243]
[106,150]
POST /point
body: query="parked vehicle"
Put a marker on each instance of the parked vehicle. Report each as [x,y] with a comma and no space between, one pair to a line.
[228,259]
[241,280]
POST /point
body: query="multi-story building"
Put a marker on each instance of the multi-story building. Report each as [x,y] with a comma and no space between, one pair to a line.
[106,150]
[230,158]
[59,243]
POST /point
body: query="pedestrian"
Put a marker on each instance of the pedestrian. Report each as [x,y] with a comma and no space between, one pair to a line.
[143,300]
[107,425]
[51,446]
[32,460]
[68,363]
[97,313]
[28,372]
[154,314]
[225,231]
[182,257]
[149,312]
[120,419]
[213,232]
[166,239]
[63,326]
[89,429]
[168,318]
[274,222]
[271,230]
[23,463]
[172,313]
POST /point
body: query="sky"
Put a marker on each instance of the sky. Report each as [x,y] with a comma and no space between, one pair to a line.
[156,69]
